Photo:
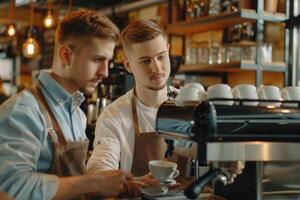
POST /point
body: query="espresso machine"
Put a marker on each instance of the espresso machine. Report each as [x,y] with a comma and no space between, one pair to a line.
[227,136]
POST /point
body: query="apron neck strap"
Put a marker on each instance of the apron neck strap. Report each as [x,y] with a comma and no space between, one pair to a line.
[134,110]
[134,114]
[50,118]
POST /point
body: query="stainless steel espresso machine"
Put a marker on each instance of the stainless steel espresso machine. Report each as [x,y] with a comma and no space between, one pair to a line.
[228,136]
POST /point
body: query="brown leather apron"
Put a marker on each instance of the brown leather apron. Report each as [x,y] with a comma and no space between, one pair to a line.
[148,145]
[68,156]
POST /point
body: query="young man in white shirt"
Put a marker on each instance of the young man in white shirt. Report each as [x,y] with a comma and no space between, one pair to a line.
[124,136]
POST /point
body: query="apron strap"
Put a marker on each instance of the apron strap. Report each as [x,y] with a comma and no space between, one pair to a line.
[51,121]
[136,126]
[134,114]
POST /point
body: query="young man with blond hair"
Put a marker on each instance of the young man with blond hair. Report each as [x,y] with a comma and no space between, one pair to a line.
[125,135]
[43,145]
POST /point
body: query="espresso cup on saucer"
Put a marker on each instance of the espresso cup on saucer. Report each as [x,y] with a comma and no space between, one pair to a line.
[269,92]
[220,91]
[163,171]
[291,94]
[245,91]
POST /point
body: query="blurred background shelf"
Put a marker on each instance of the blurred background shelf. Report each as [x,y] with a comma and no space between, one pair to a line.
[266,16]
[207,23]
[224,67]
[221,21]
[233,67]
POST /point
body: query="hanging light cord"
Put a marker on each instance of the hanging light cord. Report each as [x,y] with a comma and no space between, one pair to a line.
[69,8]
[11,10]
[58,5]
[49,5]
[31,17]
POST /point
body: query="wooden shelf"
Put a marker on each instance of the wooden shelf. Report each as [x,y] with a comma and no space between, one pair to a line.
[275,67]
[218,22]
[224,67]
[242,43]
[274,17]
[207,23]
[232,67]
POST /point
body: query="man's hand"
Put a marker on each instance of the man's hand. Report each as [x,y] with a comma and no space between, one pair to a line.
[148,179]
[109,183]
[133,187]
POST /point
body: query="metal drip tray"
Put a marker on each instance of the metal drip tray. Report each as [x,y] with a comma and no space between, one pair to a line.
[253,151]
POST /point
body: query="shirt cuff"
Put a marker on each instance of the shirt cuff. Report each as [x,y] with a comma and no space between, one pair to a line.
[52,183]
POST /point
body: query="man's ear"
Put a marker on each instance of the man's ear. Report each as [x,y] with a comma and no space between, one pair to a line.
[65,55]
[126,64]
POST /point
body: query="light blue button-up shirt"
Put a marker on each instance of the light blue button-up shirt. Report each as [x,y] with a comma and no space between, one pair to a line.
[25,147]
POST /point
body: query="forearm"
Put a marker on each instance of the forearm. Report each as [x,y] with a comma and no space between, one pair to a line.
[104,157]
[108,183]
[71,187]
[28,185]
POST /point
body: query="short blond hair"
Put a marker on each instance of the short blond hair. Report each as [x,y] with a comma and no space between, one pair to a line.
[140,30]
[86,23]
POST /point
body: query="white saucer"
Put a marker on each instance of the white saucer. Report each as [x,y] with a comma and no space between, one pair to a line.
[154,191]
[169,182]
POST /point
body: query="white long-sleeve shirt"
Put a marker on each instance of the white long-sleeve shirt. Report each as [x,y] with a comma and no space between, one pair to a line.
[114,134]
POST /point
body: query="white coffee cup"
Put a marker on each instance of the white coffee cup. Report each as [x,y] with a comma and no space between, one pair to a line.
[220,91]
[162,170]
[245,91]
[196,85]
[269,92]
[191,92]
[188,94]
[291,94]
[202,95]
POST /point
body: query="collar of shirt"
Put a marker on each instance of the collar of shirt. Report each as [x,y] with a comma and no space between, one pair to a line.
[58,93]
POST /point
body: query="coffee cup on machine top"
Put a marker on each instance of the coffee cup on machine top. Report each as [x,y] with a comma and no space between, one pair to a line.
[220,91]
[245,91]
[269,92]
[192,92]
[291,94]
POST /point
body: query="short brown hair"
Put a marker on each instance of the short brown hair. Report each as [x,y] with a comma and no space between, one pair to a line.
[140,30]
[86,23]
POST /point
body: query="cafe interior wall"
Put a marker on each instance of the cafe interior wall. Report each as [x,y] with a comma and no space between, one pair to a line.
[21,18]
[158,12]
[22,21]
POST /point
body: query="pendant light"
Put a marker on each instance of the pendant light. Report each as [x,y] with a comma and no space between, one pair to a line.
[30,47]
[49,20]
[11,29]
